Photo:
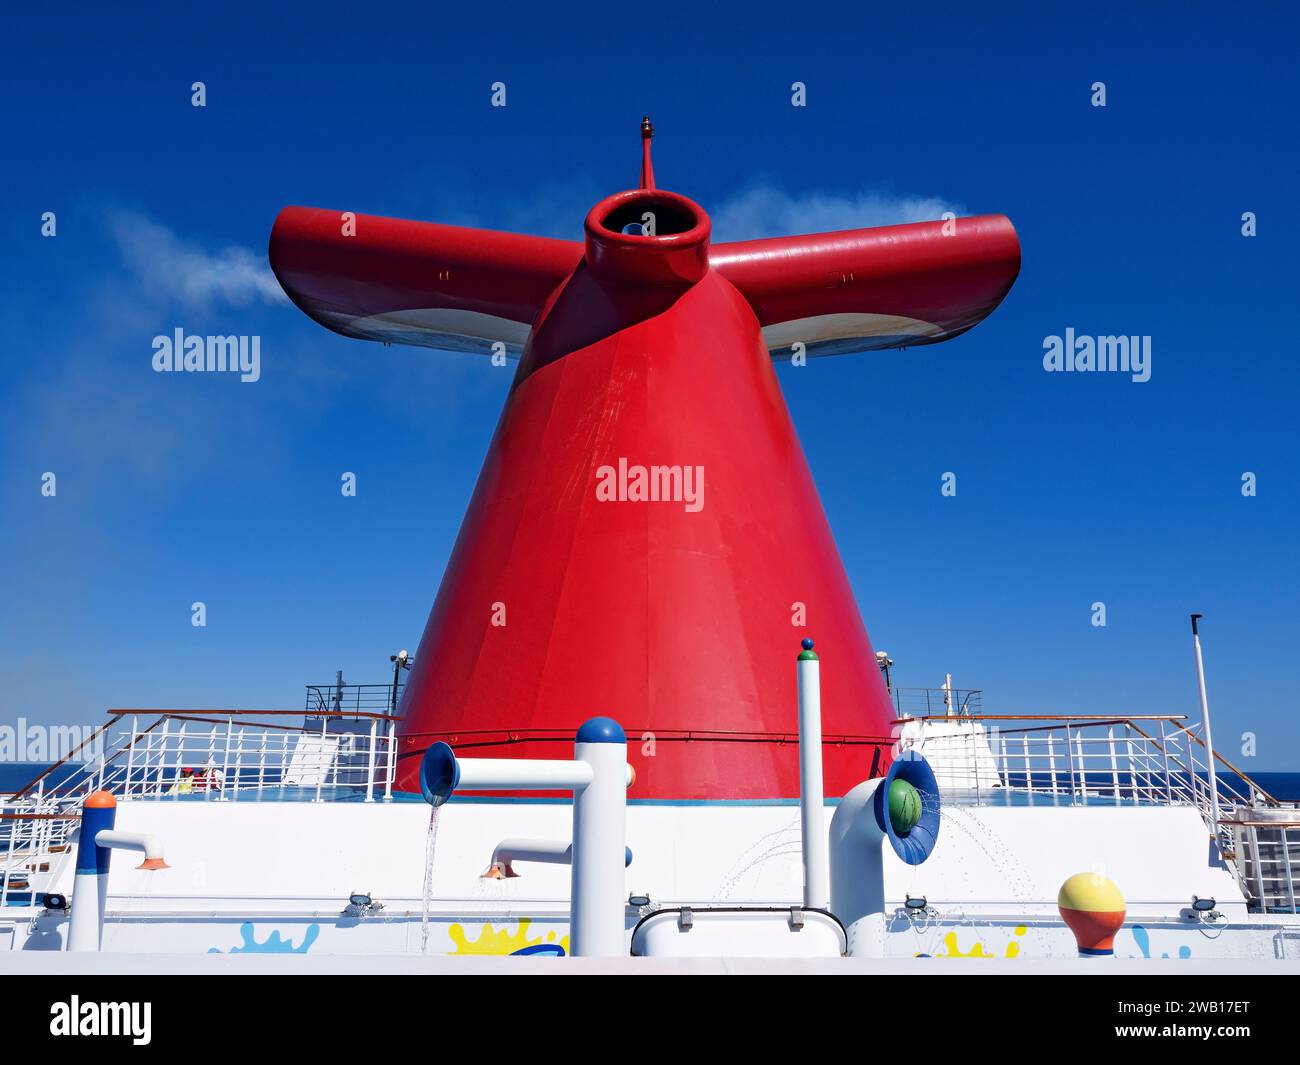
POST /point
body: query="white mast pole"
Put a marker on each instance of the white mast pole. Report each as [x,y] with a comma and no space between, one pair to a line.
[1205,724]
[816,874]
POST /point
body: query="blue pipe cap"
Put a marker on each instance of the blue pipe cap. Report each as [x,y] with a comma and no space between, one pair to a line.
[911,832]
[439,774]
[601,730]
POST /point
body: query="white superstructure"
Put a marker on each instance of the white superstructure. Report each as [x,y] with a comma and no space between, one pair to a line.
[335,863]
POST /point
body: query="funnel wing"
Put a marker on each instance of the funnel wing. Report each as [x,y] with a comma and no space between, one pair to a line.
[866,289]
[418,283]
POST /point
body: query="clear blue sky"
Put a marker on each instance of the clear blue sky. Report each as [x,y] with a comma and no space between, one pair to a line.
[1071,489]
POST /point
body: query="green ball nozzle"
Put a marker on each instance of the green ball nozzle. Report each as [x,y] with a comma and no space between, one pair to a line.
[904,806]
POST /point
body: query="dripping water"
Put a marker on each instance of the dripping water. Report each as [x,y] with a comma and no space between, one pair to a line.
[431,844]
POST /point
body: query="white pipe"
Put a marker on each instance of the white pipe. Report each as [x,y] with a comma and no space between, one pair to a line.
[509,851]
[134,841]
[599,777]
[598,922]
[812,799]
[860,830]
[95,844]
[857,871]
[522,774]
[1205,727]
[544,851]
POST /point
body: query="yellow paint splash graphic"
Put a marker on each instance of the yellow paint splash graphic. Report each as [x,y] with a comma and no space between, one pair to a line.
[504,941]
[952,948]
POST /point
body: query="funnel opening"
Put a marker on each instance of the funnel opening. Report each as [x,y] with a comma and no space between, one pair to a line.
[917,839]
[439,774]
[669,216]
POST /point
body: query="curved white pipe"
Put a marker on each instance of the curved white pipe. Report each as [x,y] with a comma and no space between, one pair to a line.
[509,851]
[857,871]
[545,851]
[134,841]
[862,827]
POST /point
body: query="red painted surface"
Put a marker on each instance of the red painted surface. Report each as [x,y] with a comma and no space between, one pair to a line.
[950,274]
[674,621]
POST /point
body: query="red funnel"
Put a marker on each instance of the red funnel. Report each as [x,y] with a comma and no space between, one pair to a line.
[645,540]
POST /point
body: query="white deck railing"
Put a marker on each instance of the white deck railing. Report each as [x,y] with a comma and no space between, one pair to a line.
[231,756]
[1148,760]
[235,756]
[1138,761]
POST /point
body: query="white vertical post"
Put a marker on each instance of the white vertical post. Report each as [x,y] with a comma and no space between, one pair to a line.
[180,757]
[1114,764]
[1205,727]
[816,875]
[261,761]
[1083,765]
[225,768]
[1286,868]
[90,881]
[1051,761]
[160,762]
[320,755]
[391,754]
[227,784]
[598,927]
[130,755]
[16,826]
[1164,751]
[370,760]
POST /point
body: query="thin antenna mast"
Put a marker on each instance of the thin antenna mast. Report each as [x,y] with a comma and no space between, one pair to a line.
[647,170]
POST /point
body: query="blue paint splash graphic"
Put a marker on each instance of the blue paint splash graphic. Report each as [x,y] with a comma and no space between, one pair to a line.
[1143,939]
[273,944]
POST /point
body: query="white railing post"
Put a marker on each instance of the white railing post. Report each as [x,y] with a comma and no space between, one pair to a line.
[1253,836]
[1114,765]
[180,757]
[1081,741]
[227,785]
[370,760]
[320,756]
[158,752]
[225,767]
[1134,780]
[1051,762]
[261,761]
[209,758]
[1286,869]
[130,755]
[392,761]
[1069,760]
[15,827]
[1164,752]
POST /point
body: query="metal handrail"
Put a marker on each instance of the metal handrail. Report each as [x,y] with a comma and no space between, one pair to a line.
[268,713]
[1272,801]
[67,758]
[1095,718]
